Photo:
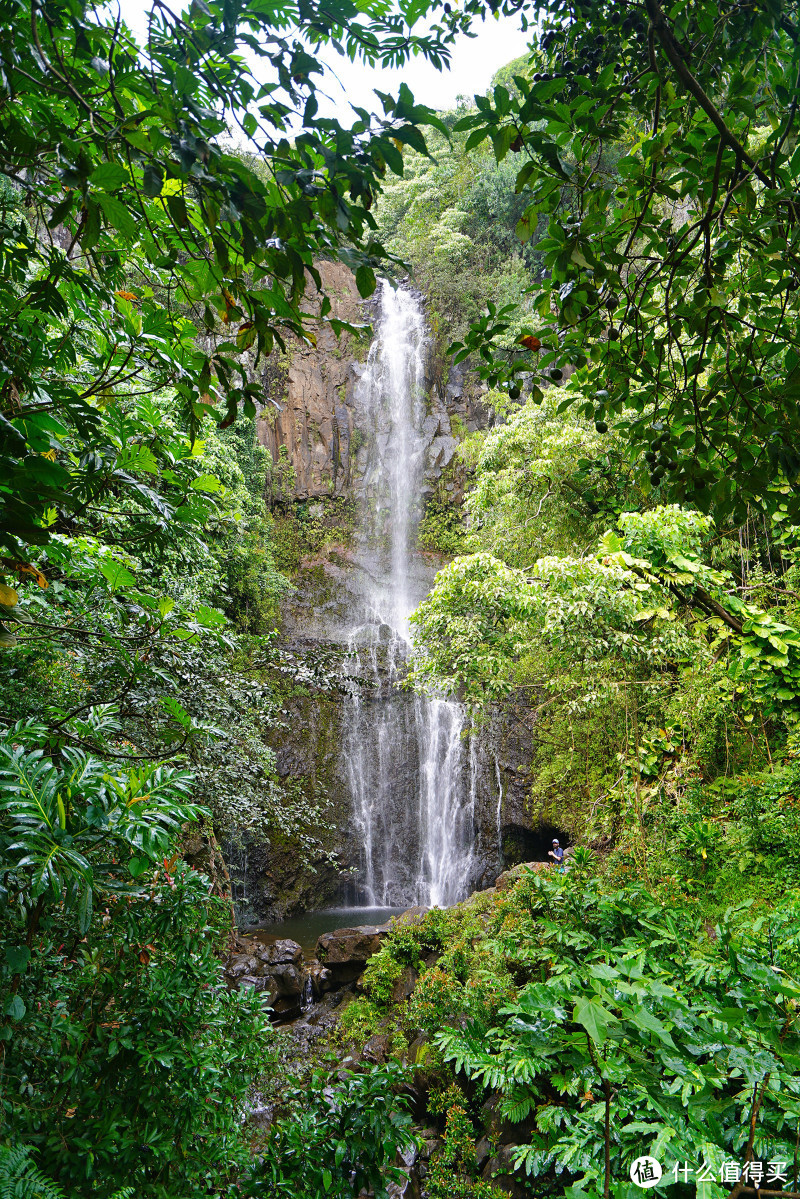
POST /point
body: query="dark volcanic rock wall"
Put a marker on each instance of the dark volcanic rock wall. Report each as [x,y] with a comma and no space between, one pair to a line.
[307,421]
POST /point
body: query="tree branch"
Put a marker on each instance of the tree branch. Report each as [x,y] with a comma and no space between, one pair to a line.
[664,34]
[758,1098]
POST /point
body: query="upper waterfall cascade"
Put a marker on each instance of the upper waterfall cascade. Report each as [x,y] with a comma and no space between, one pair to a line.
[411,773]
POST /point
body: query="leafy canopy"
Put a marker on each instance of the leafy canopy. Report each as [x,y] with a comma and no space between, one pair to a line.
[624,606]
[672,275]
[129,224]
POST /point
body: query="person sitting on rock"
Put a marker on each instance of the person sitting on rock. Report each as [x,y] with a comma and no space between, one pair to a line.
[557,854]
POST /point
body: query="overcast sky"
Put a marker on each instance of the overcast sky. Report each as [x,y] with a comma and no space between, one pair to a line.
[474,62]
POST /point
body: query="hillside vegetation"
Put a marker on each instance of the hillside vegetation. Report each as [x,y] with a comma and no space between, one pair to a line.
[609,241]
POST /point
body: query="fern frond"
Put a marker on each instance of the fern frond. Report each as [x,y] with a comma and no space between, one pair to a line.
[21,1178]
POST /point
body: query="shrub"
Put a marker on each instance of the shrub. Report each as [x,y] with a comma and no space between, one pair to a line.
[452,1171]
[339,1141]
[125,1059]
[442,528]
[132,1062]
[382,972]
[357,1022]
[438,999]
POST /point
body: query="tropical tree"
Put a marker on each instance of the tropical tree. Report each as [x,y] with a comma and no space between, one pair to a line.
[140,248]
[672,273]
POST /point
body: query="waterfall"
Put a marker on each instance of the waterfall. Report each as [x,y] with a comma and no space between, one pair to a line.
[499,811]
[410,772]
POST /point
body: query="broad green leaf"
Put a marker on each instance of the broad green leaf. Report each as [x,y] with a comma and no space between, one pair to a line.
[138,865]
[117,575]
[595,1019]
[730,1015]
[14,1008]
[246,335]
[365,280]
[109,176]
[17,958]
[118,215]
[644,1019]
[207,483]
[152,179]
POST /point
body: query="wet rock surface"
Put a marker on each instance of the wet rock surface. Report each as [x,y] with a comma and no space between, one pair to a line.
[499,1170]
[312,995]
[312,423]
[410,1187]
[404,986]
[350,946]
[275,969]
[292,984]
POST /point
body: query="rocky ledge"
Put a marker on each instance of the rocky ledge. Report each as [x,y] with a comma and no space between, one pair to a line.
[314,994]
[291,984]
[276,969]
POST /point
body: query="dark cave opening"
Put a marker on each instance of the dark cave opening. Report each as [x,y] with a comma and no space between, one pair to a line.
[530,845]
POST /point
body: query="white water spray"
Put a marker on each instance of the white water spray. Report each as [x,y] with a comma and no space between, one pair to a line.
[499,810]
[411,777]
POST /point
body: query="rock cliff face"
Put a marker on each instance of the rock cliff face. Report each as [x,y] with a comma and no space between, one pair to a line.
[307,421]
[326,449]
[313,424]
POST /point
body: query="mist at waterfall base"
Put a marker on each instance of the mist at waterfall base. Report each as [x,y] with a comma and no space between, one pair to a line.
[411,772]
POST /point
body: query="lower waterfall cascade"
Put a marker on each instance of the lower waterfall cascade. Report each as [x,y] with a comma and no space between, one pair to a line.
[410,770]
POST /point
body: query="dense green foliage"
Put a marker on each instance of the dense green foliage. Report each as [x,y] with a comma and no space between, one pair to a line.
[643,646]
[21,1179]
[146,263]
[122,1059]
[625,585]
[338,1143]
[645,1002]
[672,272]
[673,1037]
[608,1021]
[454,216]
[128,223]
